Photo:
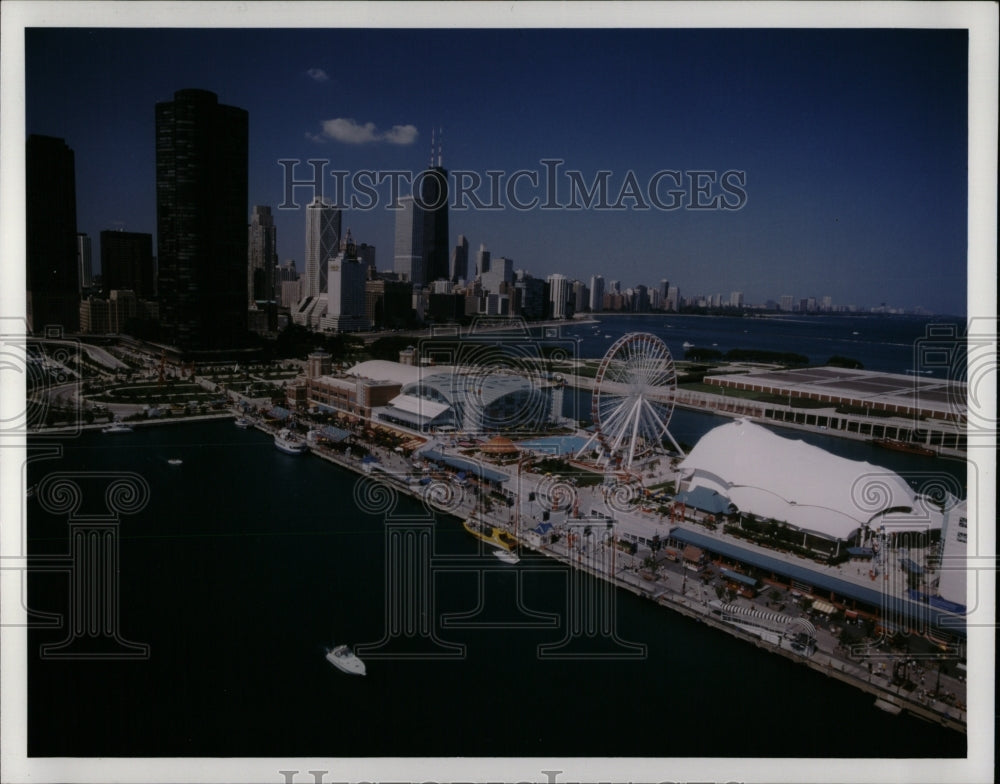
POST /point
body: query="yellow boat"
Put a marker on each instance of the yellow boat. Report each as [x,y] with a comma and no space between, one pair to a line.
[490,533]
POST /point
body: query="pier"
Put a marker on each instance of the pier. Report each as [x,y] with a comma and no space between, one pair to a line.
[668,584]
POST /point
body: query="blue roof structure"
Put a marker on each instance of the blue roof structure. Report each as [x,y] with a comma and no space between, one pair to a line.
[334,434]
[464,464]
[729,574]
[706,500]
[542,528]
[890,605]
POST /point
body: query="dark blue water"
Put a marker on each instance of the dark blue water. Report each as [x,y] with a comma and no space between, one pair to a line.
[246,562]
[895,344]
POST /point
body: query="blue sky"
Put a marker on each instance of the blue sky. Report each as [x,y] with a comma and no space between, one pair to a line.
[853,142]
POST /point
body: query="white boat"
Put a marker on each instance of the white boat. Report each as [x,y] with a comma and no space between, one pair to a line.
[343,658]
[175,461]
[506,557]
[116,427]
[289,443]
[243,423]
[688,345]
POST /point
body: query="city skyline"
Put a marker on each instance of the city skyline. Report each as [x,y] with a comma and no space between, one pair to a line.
[854,159]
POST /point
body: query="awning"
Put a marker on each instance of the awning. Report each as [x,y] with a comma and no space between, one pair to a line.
[824,607]
[692,553]
[729,574]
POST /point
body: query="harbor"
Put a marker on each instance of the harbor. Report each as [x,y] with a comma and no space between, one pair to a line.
[670,584]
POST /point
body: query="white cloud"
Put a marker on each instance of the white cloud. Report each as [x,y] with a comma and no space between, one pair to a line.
[401,134]
[349,131]
[317,75]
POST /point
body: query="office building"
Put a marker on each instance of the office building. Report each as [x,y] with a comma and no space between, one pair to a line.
[84,261]
[262,255]
[345,299]
[388,303]
[52,280]
[408,259]
[482,260]
[434,203]
[596,293]
[127,263]
[460,260]
[201,209]
[323,222]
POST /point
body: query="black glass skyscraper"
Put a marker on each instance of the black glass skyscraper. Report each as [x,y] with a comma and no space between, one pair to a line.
[127,262]
[53,279]
[201,209]
[434,201]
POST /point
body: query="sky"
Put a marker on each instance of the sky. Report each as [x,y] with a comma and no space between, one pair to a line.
[849,147]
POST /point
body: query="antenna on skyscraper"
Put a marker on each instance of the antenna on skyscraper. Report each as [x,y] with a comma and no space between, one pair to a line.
[432,148]
[440,137]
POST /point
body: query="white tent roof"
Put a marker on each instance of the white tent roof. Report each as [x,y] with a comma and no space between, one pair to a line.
[784,479]
[428,409]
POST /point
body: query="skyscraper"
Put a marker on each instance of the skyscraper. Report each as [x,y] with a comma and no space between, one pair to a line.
[434,202]
[127,263]
[460,260]
[322,244]
[262,254]
[596,293]
[559,290]
[201,209]
[482,260]
[84,260]
[52,280]
[408,259]
[345,300]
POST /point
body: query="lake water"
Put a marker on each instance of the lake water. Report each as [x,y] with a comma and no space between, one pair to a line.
[245,563]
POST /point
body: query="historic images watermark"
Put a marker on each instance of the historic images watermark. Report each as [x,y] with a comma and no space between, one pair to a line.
[550,186]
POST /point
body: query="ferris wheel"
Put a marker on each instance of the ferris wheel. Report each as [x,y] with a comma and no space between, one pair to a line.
[633,400]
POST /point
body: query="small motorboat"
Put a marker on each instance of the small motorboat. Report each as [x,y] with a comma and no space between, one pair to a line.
[343,658]
[506,556]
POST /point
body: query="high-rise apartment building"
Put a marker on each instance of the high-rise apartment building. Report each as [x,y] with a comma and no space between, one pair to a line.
[673,299]
[201,209]
[52,280]
[581,296]
[262,254]
[408,259]
[640,299]
[596,293]
[559,291]
[127,263]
